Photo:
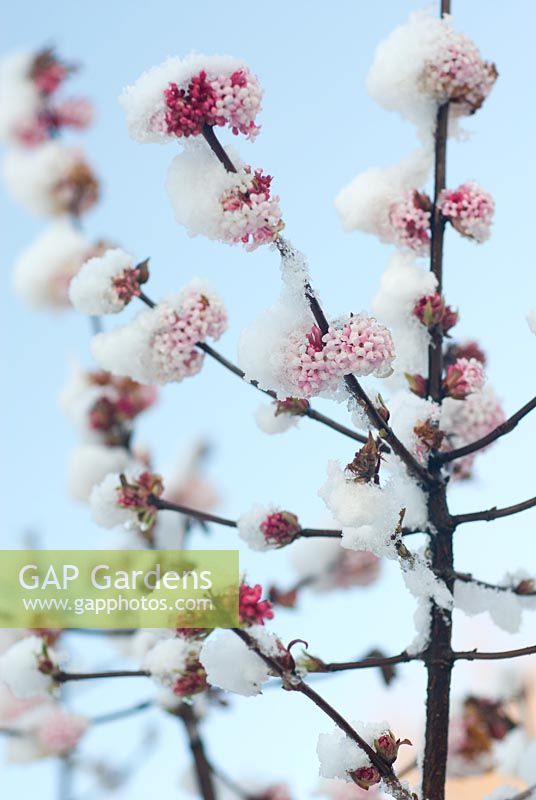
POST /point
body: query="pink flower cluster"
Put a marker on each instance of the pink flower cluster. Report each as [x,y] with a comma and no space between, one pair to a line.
[59,732]
[232,100]
[469,209]
[192,680]
[431,310]
[121,401]
[409,218]
[251,609]
[250,214]
[280,528]
[357,344]
[47,72]
[459,74]
[479,414]
[464,377]
[137,496]
[179,330]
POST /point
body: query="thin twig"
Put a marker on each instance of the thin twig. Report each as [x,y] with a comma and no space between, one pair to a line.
[495,434]
[367,663]
[466,577]
[475,655]
[65,677]
[122,713]
[202,766]
[493,513]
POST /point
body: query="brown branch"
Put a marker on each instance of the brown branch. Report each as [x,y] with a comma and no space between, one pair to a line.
[216,147]
[475,655]
[203,769]
[64,677]
[367,663]
[466,577]
[112,716]
[493,513]
[495,434]
[292,682]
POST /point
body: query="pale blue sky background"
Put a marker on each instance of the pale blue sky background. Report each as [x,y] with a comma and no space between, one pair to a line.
[319,129]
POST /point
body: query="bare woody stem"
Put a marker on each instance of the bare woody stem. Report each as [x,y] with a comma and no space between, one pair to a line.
[475,655]
[438,656]
[292,682]
[66,677]
[367,663]
[166,505]
[496,433]
[203,770]
[468,578]
[494,513]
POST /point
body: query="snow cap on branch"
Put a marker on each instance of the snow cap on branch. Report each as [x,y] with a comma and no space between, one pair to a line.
[425,63]
[43,271]
[126,499]
[178,97]
[386,202]
[51,180]
[159,345]
[230,207]
[174,664]
[341,757]
[232,666]
[27,668]
[106,284]
[265,528]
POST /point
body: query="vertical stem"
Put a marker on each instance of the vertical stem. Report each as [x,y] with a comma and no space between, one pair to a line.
[203,770]
[438,657]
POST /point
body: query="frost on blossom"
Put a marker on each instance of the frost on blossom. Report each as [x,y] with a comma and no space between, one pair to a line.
[44,270]
[469,209]
[265,528]
[180,96]
[231,665]
[28,666]
[386,203]
[159,345]
[174,664]
[107,283]
[236,208]
[102,407]
[425,63]
[126,499]
[51,180]
[30,113]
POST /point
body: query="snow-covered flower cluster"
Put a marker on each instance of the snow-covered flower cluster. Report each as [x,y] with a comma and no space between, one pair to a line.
[102,406]
[469,209]
[341,757]
[179,97]
[468,420]
[107,283]
[127,499]
[265,528]
[317,362]
[28,667]
[51,180]
[174,664]
[232,207]
[386,203]
[89,464]
[159,345]
[425,63]
[43,271]
[30,111]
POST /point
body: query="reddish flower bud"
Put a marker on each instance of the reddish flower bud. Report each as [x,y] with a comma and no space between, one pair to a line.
[432,311]
[387,746]
[280,528]
[463,377]
[365,777]
[253,610]
[295,406]
[417,384]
